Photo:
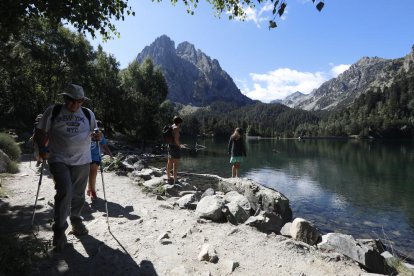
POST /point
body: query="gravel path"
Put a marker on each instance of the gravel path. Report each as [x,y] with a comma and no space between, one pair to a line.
[149,236]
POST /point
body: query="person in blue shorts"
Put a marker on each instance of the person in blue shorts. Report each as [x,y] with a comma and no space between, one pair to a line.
[237,151]
[96,161]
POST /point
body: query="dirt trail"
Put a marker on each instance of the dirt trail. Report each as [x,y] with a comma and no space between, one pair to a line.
[133,245]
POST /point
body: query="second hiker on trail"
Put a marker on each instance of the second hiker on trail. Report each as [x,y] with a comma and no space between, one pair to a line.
[96,151]
[63,135]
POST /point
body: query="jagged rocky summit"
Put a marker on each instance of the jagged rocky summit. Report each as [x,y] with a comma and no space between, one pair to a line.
[193,78]
[367,73]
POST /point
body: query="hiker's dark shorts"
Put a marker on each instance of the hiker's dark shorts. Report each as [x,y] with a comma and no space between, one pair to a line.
[174,151]
[96,162]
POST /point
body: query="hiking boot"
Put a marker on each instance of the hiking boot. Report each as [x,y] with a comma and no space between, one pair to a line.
[59,242]
[79,229]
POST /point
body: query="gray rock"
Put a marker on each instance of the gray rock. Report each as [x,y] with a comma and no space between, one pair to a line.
[154,182]
[285,231]
[208,192]
[236,214]
[185,201]
[266,222]
[303,230]
[208,253]
[260,198]
[228,266]
[239,199]
[144,174]
[210,207]
[348,246]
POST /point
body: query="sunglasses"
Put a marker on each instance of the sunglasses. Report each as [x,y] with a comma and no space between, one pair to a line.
[69,99]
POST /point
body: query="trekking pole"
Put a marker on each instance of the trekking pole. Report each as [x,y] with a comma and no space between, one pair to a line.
[103,183]
[38,189]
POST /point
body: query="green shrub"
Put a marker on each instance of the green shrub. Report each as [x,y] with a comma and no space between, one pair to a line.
[18,255]
[9,146]
[12,167]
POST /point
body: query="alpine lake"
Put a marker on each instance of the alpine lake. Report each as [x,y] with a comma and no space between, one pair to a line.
[364,188]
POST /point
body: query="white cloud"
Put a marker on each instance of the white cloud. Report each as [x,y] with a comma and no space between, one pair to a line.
[258,15]
[338,69]
[279,83]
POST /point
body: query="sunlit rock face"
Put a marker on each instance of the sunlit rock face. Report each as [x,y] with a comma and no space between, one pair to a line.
[193,77]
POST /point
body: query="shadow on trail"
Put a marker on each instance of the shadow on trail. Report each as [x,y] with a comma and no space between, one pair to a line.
[17,218]
[115,210]
[100,259]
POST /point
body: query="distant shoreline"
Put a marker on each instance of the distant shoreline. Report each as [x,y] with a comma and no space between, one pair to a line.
[307,138]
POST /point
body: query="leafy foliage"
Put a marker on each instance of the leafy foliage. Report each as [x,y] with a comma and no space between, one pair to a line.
[84,15]
[144,89]
[37,66]
[98,16]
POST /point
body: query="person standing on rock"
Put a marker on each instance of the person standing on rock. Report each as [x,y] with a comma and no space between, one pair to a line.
[63,135]
[174,151]
[237,151]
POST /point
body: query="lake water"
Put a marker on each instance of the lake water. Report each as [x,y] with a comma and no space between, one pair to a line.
[362,188]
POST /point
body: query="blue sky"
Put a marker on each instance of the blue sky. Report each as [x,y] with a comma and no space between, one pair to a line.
[306,49]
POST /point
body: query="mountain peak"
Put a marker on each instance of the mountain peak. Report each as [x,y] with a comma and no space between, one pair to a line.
[187,51]
[192,76]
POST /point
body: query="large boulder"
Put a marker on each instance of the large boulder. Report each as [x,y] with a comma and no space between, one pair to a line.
[364,254]
[238,199]
[210,207]
[266,222]
[236,214]
[260,197]
[303,230]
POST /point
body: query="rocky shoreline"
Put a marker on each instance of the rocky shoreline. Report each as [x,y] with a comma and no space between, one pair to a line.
[202,225]
[243,201]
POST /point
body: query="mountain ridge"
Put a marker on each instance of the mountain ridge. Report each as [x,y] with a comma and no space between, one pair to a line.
[367,73]
[192,77]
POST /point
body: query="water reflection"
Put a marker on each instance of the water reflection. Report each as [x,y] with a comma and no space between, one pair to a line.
[364,188]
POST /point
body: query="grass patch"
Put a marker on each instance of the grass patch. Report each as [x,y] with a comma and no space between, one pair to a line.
[397,260]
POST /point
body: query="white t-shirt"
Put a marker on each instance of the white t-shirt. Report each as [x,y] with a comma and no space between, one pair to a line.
[69,136]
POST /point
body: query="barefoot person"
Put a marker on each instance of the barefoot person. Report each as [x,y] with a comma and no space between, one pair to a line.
[96,161]
[174,151]
[237,151]
[66,130]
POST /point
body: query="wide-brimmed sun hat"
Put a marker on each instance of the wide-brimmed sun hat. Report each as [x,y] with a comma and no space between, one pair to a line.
[75,91]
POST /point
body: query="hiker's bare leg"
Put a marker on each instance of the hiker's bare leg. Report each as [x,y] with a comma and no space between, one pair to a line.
[237,167]
[233,170]
[176,162]
[169,167]
[93,172]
